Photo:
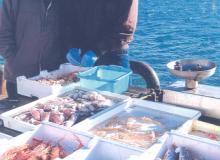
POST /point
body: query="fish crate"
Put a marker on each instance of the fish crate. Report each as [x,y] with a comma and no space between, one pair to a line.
[46,135]
[49,83]
[4,138]
[102,149]
[201,129]
[106,78]
[139,123]
[65,109]
[188,148]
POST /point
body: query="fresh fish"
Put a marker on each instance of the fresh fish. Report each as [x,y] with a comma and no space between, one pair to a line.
[35,113]
[54,107]
[74,96]
[90,107]
[83,108]
[33,121]
[57,118]
[170,154]
[67,113]
[47,108]
[85,96]
[184,154]
[45,116]
[73,119]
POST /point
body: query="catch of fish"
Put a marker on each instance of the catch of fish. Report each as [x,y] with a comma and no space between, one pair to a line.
[37,150]
[68,109]
[178,153]
[61,80]
[137,131]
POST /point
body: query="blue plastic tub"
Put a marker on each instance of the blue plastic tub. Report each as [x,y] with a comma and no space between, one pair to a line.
[106,78]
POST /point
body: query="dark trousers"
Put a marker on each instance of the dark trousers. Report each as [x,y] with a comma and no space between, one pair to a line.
[11,90]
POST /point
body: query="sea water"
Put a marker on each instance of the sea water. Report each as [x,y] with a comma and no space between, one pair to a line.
[168,30]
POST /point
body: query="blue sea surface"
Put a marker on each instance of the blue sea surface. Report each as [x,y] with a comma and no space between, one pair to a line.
[168,30]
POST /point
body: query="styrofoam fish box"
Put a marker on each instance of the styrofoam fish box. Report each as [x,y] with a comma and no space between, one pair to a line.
[18,125]
[199,148]
[4,138]
[208,131]
[106,78]
[30,87]
[68,140]
[169,116]
[21,126]
[102,149]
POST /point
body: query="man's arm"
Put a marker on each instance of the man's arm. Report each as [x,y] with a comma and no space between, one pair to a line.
[7,30]
[123,29]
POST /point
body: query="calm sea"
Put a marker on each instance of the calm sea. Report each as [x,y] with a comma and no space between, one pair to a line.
[175,29]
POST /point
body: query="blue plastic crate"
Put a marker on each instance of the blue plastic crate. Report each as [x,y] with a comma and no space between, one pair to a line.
[106,78]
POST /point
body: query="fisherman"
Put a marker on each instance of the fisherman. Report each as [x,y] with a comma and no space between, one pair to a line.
[29,39]
[102,28]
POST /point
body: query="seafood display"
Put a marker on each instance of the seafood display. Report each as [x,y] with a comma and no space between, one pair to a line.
[136,124]
[36,150]
[204,134]
[137,131]
[60,80]
[67,109]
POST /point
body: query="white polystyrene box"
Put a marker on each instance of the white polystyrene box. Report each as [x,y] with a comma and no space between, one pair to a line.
[4,138]
[172,115]
[31,88]
[21,126]
[52,134]
[102,149]
[157,108]
[196,125]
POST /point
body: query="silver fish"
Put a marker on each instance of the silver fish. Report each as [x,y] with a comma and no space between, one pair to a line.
[184,154]
[170,154]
